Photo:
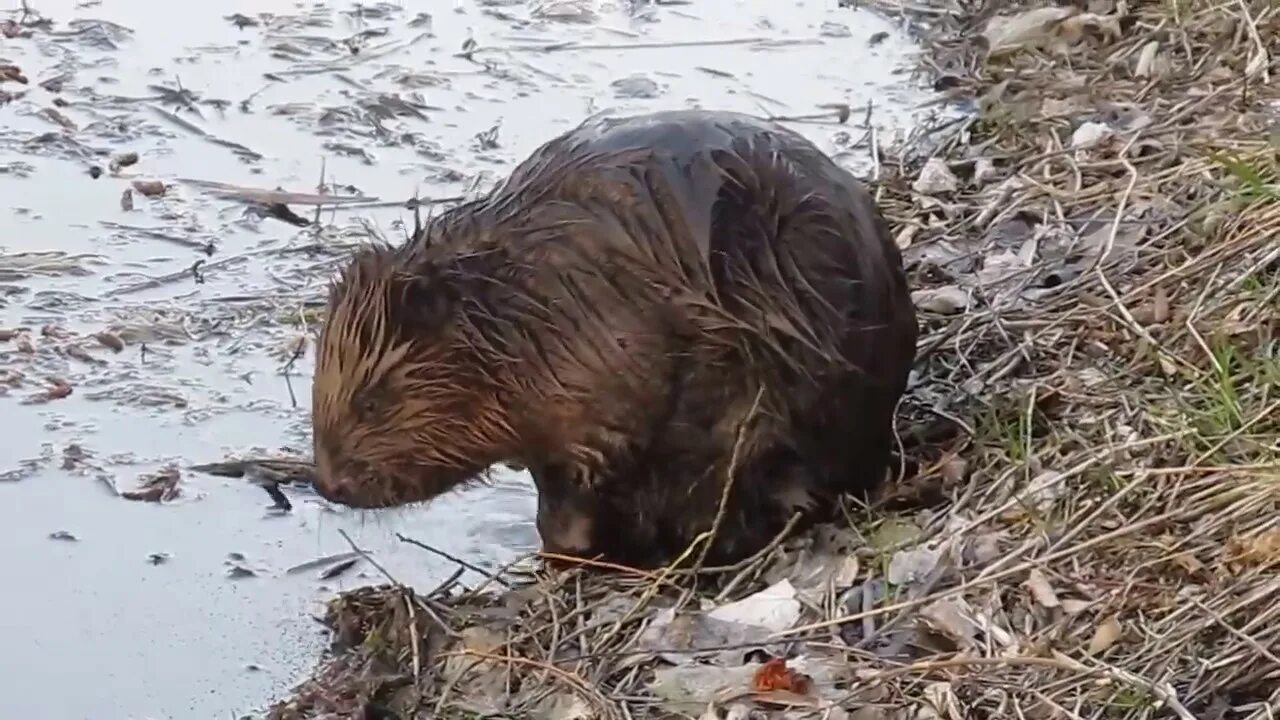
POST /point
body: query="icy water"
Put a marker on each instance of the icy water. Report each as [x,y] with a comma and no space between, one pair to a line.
[128,609]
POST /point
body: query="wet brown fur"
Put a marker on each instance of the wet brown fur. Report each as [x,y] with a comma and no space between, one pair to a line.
[637,291]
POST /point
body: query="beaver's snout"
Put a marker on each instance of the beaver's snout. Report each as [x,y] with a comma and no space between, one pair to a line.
[375,485]
[336,492]
[341,489]
[341,483]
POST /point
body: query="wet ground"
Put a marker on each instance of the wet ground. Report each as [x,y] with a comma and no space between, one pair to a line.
[142,329]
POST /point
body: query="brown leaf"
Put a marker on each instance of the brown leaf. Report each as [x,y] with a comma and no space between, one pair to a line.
[946,300]
[1146,66]
[79,353]
[1073,29]
[58,389]
[953,619]
[1243,552]
[935,177]
[122,160]
[1005,33]
[156,487]
[775,675]
[150,188]
[109,340]
[1187,561]
[1105,635]
[57,118]
[1074,606]
[1160,305]
[13,73]
[955,470]
[1041,590]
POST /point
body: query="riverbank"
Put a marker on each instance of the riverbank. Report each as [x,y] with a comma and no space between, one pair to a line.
[1093,250]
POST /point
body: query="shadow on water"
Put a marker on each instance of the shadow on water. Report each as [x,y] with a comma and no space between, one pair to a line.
[118,609]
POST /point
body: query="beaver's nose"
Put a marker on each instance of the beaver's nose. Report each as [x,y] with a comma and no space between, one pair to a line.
[330,485]
[337,492]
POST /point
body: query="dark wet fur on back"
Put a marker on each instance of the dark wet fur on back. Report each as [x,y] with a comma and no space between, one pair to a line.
[608,317]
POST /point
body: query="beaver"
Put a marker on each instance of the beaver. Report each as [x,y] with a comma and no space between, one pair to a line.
[675,321]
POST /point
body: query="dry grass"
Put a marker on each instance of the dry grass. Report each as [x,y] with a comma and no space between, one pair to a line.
[1104,538]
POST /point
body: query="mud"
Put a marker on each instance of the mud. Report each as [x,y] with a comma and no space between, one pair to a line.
[169,333]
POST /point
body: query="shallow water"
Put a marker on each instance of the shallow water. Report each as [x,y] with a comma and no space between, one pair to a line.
[138,616]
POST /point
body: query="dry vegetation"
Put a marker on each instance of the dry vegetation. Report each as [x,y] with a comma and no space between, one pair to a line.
[1098,268]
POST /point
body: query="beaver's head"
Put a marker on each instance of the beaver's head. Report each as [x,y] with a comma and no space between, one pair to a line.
[402,408]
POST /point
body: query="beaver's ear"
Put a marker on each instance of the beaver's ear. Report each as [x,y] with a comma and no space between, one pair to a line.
[426,301]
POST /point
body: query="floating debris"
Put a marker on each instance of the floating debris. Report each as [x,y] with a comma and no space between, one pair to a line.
[160,486]
[328,560]
[150,188]
[57,389]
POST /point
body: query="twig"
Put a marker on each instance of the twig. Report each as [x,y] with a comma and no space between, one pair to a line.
[573,45]
[731,473]
[577,683]
[453,559]
[391,578]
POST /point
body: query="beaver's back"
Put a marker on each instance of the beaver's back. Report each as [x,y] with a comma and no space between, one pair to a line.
[745,213]
[695,155]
